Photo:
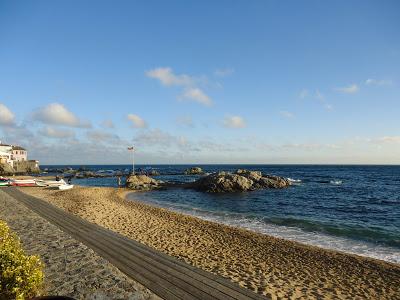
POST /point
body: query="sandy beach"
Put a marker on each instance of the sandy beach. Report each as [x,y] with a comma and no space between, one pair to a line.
[264,264]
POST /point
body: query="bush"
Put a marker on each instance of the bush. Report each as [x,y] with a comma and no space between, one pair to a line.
[21,275]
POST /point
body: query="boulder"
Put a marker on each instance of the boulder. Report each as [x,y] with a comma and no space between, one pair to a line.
[194,171]
[223,182]
[142,183]
[6,169]
[253,175]
[240,181]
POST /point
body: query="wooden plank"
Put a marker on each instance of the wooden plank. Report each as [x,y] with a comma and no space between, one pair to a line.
[166,276]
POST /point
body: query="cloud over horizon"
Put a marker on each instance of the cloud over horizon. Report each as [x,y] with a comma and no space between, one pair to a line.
[7,117]
[58,114]
[52,132]
[234,122]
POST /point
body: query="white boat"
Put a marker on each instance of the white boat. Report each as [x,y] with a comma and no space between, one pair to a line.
[51,183]
[22,182]
[65,187]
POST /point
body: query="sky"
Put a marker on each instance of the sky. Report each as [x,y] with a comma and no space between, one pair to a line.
[261,82]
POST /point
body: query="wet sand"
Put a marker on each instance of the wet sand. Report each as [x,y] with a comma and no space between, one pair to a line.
[264,264]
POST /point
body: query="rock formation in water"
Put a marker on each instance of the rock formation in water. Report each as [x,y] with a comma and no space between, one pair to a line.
[194,171]
[142,183]
[240,181]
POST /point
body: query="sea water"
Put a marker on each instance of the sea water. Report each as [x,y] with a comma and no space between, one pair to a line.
[355,209]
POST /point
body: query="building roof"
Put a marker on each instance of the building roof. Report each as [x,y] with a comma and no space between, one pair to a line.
[18,148]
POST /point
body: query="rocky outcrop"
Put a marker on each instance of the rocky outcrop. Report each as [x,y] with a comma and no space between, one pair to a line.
[194,171]
[20,168]
[6,169]
[26,167]
[142,183]
[240,181]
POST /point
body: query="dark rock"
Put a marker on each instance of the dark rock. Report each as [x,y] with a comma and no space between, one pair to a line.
[240,181]
[194,171]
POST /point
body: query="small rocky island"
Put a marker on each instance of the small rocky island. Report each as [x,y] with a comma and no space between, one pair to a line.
[194,171]
[220,182]
[240,181]
[142,183]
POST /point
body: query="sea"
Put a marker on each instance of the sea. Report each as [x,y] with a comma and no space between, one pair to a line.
[350,208]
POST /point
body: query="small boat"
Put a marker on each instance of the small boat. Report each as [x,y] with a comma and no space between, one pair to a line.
[65,187]
[4,181]
[22,182]
[52,183]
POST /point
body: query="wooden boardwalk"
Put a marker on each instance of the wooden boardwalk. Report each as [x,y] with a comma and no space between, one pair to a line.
[164,275]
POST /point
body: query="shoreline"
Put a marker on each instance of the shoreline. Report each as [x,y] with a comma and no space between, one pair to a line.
[319,240]
[265,264]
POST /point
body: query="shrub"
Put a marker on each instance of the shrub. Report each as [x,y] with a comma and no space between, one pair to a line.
[21,275]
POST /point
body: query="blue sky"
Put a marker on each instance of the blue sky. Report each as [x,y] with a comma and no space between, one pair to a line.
[201,82]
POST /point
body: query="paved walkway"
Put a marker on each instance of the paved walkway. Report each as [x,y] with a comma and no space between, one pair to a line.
[71,268]
[165,276]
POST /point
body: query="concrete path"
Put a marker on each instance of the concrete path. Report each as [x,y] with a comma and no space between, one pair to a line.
[71,268]
[165,276]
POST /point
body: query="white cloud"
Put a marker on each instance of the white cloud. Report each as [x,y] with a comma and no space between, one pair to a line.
[157,137]
[351,89]
[234,122]
[137,121]
[190,84]
[58,114]
[304,93]
[387,140]
[100,136]
[196,95]
[224,72]
[286,114]
[381,82]
[108,124]
[6,116]
[56,133]
[167,77]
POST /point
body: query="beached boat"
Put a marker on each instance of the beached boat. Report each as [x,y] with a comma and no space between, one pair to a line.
[22,182]
[51,183]
[4,182]
[65,187]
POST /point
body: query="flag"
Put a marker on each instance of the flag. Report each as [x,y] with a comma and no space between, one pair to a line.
[130,148]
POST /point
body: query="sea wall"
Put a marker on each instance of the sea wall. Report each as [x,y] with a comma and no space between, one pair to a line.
[20,167]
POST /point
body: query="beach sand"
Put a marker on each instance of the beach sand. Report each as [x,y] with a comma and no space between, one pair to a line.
[264,264]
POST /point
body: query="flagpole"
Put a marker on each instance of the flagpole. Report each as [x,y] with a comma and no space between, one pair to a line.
[133,159]
[133,162]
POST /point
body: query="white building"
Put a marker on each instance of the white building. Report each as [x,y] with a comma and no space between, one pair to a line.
[11,153]
[19,153]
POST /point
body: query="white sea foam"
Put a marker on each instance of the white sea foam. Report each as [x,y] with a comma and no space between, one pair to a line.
[294,180]
[385,253]
[337,182]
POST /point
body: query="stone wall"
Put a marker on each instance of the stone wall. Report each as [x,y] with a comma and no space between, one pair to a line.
[6,169]
[28,166]
[20,167]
